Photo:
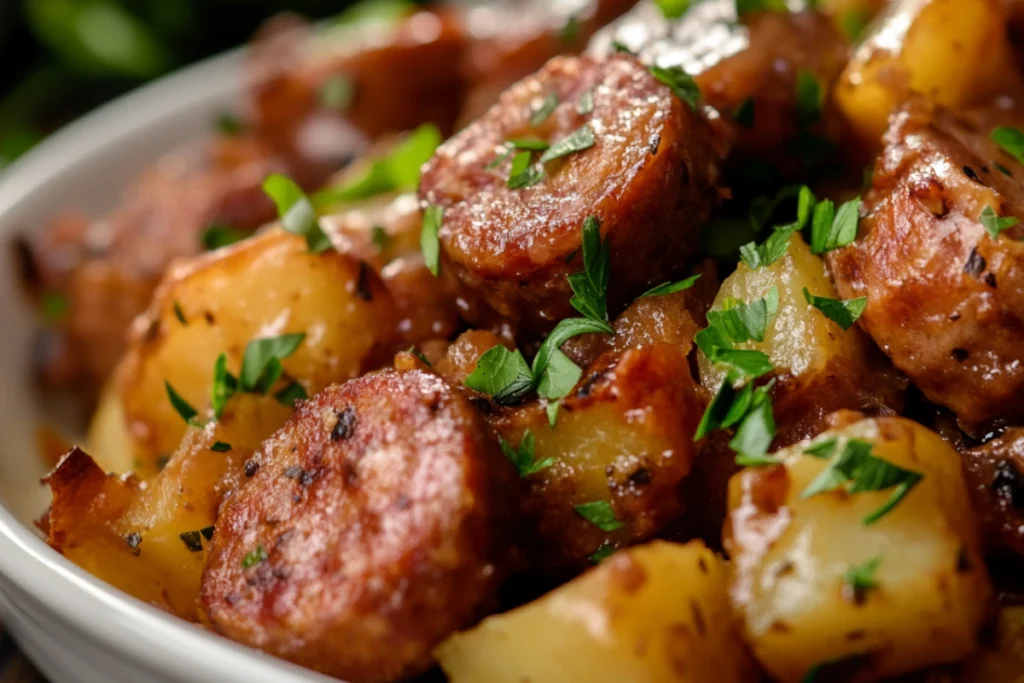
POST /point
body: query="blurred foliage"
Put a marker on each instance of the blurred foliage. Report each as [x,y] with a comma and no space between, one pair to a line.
[63,57]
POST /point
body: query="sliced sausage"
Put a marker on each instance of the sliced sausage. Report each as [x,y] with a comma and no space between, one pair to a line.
[380,520]
[945,301]
[995,474]
[649,178]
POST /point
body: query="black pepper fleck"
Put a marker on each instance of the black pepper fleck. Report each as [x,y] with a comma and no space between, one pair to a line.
[251,468]
[975,263]
[133,540]
[969,172]
[961,355]
[192,540]
[345,427]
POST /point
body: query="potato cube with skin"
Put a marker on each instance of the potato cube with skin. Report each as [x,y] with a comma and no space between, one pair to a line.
[820,367]
[817,582]
[954,51]
[657,613]
[217,303]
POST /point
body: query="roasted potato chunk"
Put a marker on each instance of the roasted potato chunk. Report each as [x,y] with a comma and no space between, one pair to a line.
[649,177]
[624,437]
[821,579]
[945,300]
[954,51]
[262,287]
[380,520]
[820,367]
[657,613]
[995,473]
[1003,658]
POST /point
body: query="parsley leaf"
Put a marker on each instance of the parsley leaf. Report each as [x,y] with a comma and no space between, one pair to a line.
[433,217]
[859,579]
[379,237]
[296,211]
[523,173]
[602,553]
[580,139]
[544,110]
[224,385]
[842,313]
[590,288]
[336,93]
[258,555]
[533,144]
[745,113]
[748,364]
[738,323]
[523,456]
[994,225]
[831,229]
[756,432]
[585,105]
[290,394]
[673,9]
[823,449]
[398,171]
[670,287]
[218,235]
[502,374]
[600,514]
[570,30]
[563,332]
[747,6]
[183,407]
[261,363]
[858,470]
[1011,140]
[681,83]
[808,98]
[54,306]
[558,378]
[220,447]
[193,541]
[229,124]
[842,669]
[180,314]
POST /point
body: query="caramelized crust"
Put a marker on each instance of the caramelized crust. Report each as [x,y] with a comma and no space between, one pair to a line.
[383,512]
[995,477]
[650,178]
[945,300]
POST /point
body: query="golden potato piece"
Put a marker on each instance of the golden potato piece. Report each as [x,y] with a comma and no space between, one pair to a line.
[646,166]
[262,287]
[956,52]
[820,367]
[658,613]
[1001,660]
[924,593]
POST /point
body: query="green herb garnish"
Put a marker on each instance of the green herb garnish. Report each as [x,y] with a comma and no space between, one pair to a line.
[832,229]
[670,287]
[179,314]
[600,514]
[585,105]
[228,124]
[859,579]
[994,225]
[218,235]
[580,139]
[258,555]
[290,394]
[842,313]
[745,113]
[544,110]
[379,237]
[681,83]
[430,245]
[748,6]
[220,447]
[296,211]
[336,93]
[523,173]
[1011,140]
[523,455]
[590,288]
[808,98]
[503,375]
[183,407]
[602,553]
[673,9]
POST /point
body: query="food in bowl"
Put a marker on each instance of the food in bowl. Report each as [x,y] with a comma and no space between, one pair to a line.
[582,348]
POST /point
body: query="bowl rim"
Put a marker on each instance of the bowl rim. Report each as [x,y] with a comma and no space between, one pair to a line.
[135,631]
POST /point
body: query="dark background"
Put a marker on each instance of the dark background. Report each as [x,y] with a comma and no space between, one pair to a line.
[59,58]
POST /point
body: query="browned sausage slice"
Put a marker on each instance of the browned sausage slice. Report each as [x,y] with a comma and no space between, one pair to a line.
[945,301]
[379,521]
[649,177]
[995,473]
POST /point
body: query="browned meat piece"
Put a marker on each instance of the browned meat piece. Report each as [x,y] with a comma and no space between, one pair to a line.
[758,60]
[380,520]
[649,177]
[995,474]
[508,41]
[945,300]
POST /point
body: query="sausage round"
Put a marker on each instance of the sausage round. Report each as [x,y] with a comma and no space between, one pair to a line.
[379,520]
[945,301]
[649,178]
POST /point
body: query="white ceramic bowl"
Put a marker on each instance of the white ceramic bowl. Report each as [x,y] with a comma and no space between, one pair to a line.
[75,627]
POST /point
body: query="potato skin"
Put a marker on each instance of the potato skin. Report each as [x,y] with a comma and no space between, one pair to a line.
[945,301]
[650,178]
[933,595]
[995,475]
[658,613]
[387,515]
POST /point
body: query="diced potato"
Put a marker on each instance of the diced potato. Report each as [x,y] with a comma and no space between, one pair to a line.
[821,368]
[265,286]
[954,51]
[108,437]
[653,614]
[931,594]
[1001,660]
[624,436]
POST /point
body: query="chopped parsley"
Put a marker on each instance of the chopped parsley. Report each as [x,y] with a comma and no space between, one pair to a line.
[219,235]
[831,229]
[673,9]
[590,288]
[433,217]
[670,287]
[994,225]
[842,313]
[856,470]
[621,47]
[602,553]
[336,93]
[229,124]
[523,172]
[859,579]
[808,98]
[547,106]
[261,364]
[570,32]
[532,144]
[745,113]
[503,375]
[179,314]
[398,171]
[258,555]
[600,514]
[523,455]
[748,6]
[842,669]
[585,104]
[296,211]
[1011,140]
[755,433]
[775,247]
[747,363]
[54,306]
[738,322]
[220,447]
[379,237]
[823,449]
[681,83]
[290,394]
[181,406]
[580,139]
[193,541]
